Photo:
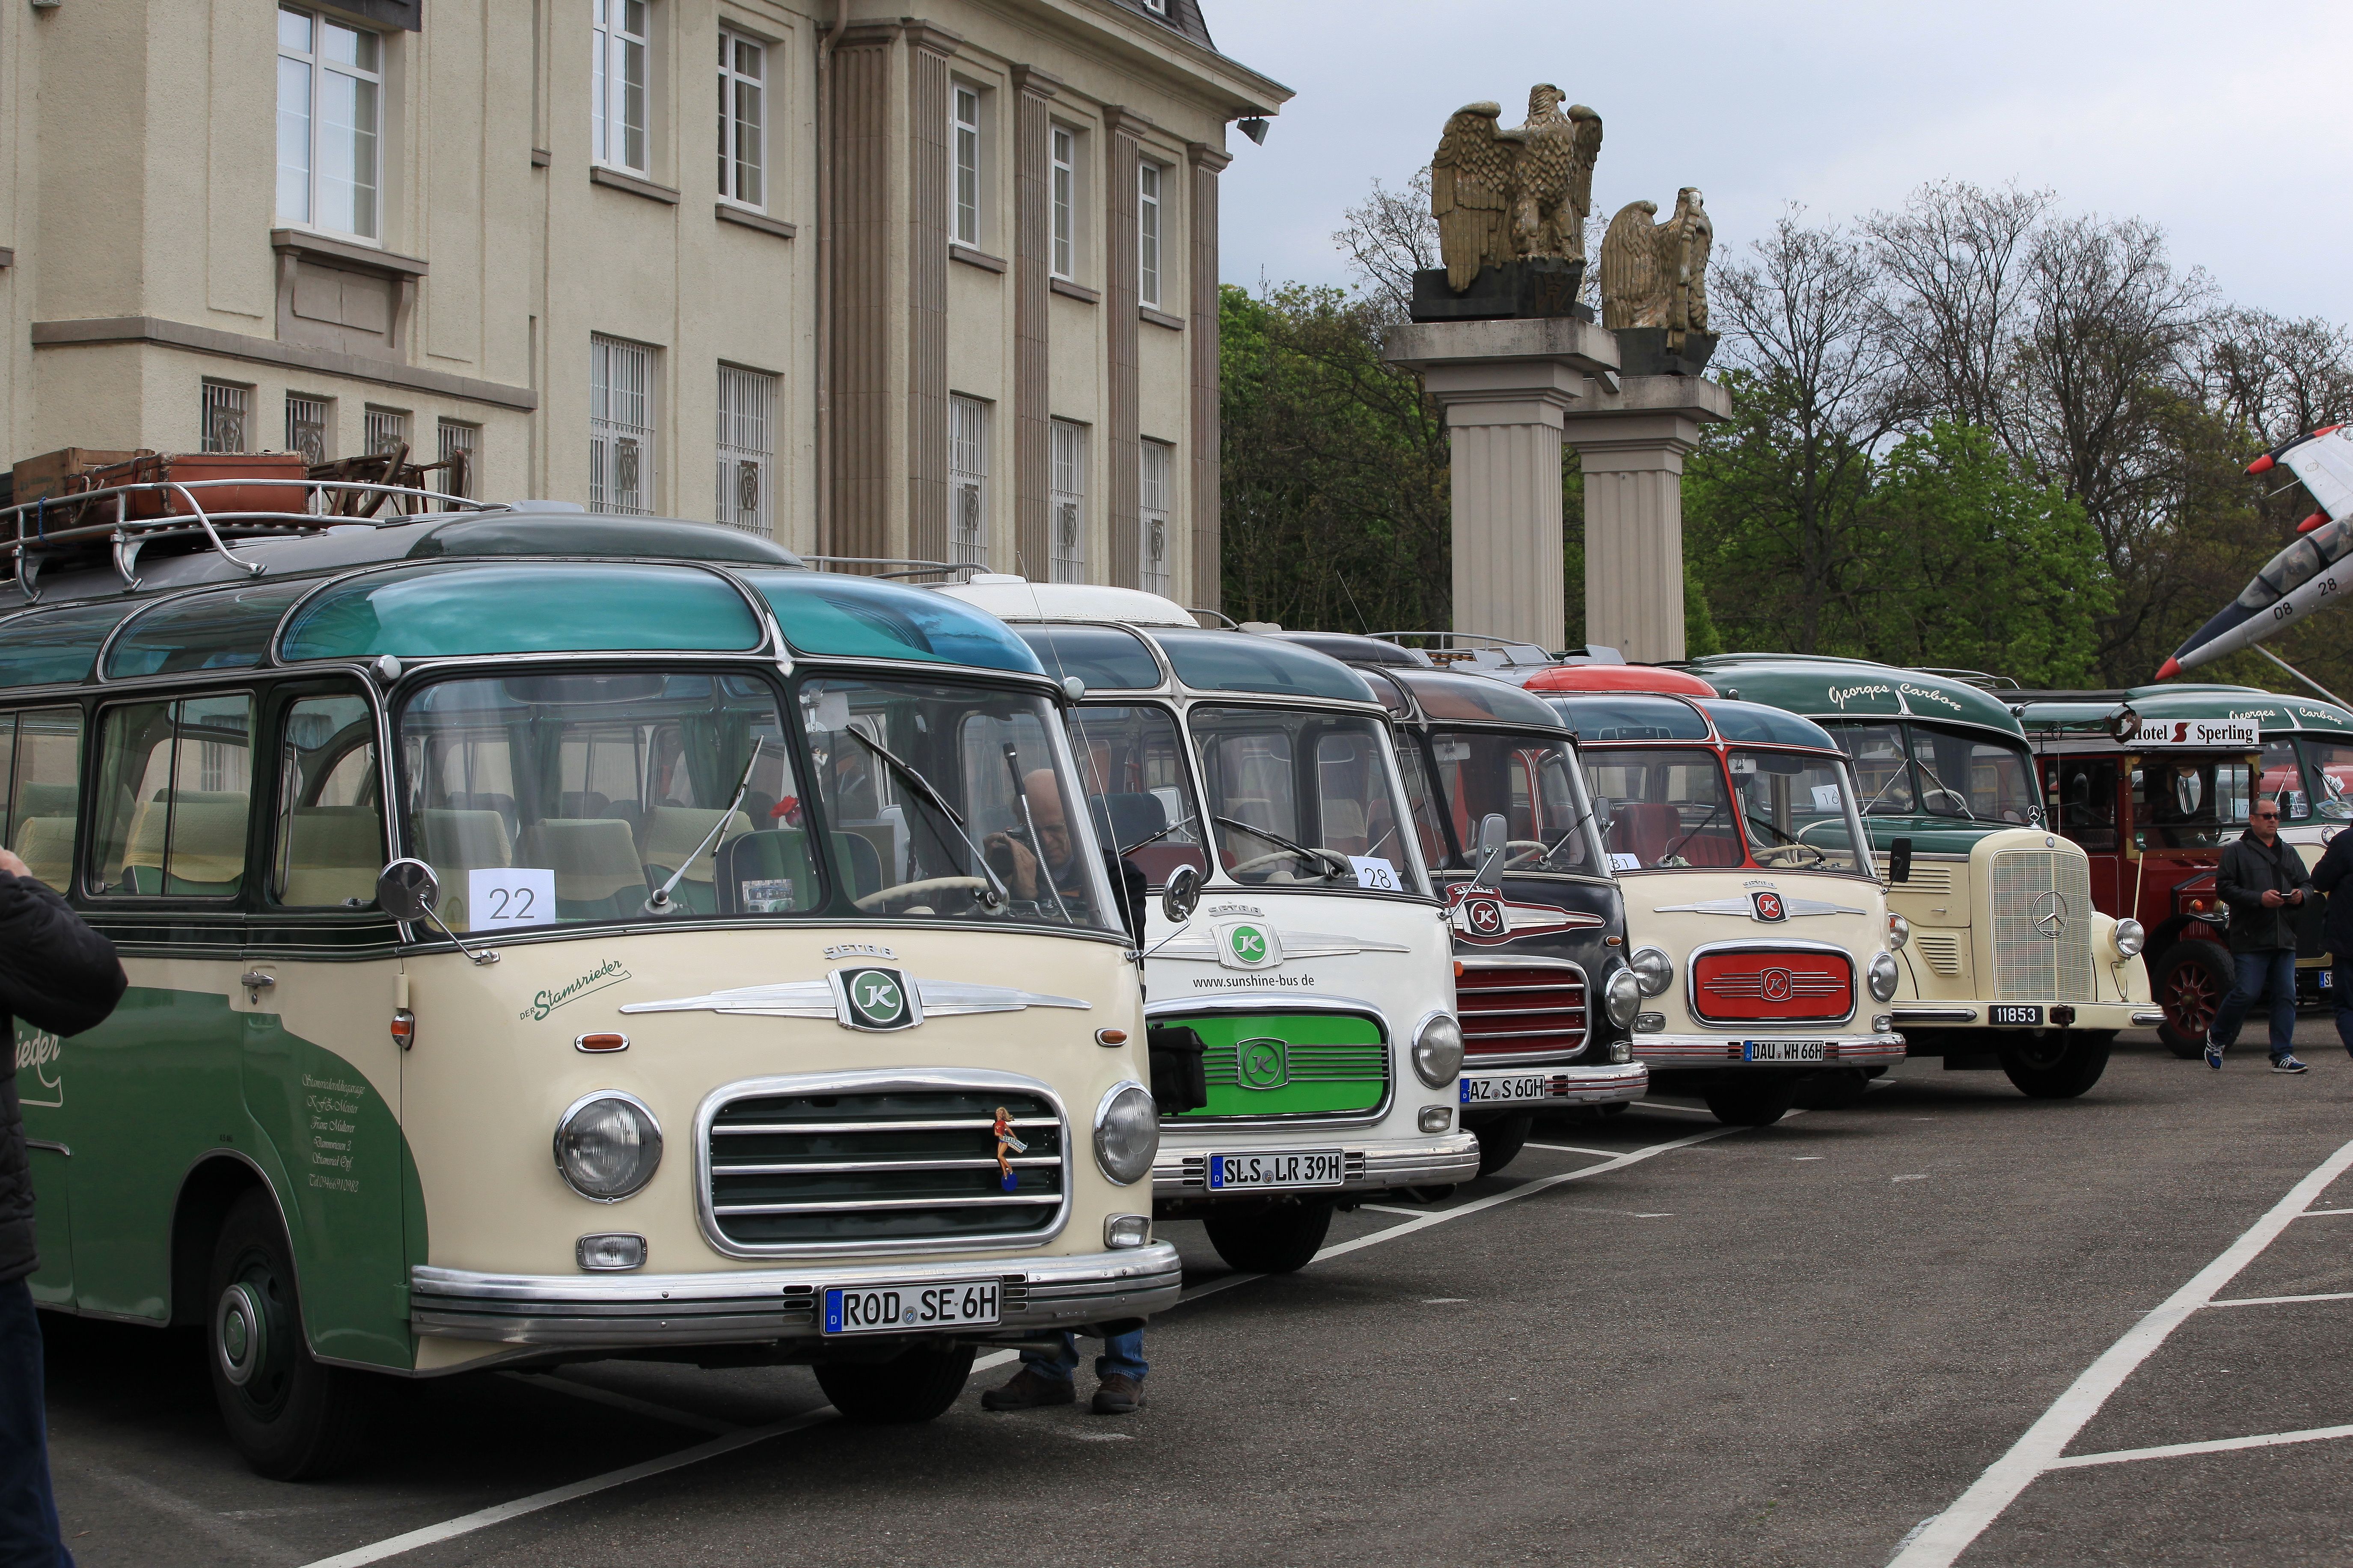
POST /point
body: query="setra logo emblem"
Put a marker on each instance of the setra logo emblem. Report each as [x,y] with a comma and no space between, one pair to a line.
[1769,906]
[875,999]
[1262,1063]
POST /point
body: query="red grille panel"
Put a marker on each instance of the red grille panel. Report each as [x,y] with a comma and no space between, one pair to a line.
[1791,987]
[1521,1011]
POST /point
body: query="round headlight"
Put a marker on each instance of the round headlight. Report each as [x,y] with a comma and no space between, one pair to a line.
[1621,997]
[1127,1132]
[607,1146]
[1438,1051]
[1653,970]
[1884,972]
[2131,937]
[1899,929]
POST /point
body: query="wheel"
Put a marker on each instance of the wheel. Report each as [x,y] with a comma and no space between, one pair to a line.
[2060,1066]
[1281,1239]
[914,1386]
[2191,982]
[1758,1104]
[293,1418]
[1500,1142]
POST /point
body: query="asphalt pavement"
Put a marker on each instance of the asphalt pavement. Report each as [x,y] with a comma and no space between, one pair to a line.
[1892,1332]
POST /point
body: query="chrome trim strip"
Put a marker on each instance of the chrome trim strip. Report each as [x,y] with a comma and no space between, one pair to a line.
[1754,944]
[753,1129]
[1269,1001]
[1904,1015]
[868,1081]
[2148,1019]
[840,1165]
[1674,1051]
[836,1205]
[52,1147]
[1489,960]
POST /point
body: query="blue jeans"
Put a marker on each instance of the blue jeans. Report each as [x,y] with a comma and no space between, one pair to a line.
[28,1511]
[2273,970]
[1123,1356]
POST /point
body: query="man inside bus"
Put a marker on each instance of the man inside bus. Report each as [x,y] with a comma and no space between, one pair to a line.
[1013,859]
[2263,882]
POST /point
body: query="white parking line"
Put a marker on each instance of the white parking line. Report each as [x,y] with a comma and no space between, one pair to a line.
[556,1383]
[1941,1539]
[2279,1300]
[2220,1445]
[2321,1214]
[1572,1149]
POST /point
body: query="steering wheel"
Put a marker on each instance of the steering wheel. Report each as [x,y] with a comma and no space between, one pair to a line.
[1339,862]
[1787,855]
[1519,851]
[906,891]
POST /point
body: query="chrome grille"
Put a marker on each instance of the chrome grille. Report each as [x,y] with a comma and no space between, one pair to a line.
[1511,1007]
[1308,1062]
[2029,964]
[895,1167]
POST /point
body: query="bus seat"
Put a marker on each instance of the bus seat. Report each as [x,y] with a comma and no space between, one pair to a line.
[1127,818]
[1156,861]
[674,832]
[595,863]
[333,856]
[583,803]
[862,861]
[46,846]
[48,799]
[1644,829]
[207,855]
[487,800]
[768,855]
[456,842]
[1344,826]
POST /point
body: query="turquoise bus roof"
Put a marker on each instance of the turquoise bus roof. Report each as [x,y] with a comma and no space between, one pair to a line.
[1852,689]
[824,613]
[435,611]
[1244,663]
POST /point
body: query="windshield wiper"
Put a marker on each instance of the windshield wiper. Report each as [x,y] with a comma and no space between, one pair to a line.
[956,818]
[1119,848]
[1314,858]
[1692,835]
[658,902]
[1948,789]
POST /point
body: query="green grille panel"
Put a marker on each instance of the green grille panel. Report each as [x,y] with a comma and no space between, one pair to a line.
[1288,1064]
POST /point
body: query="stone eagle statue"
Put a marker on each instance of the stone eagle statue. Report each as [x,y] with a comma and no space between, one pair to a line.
[1508,195]
[1656,275]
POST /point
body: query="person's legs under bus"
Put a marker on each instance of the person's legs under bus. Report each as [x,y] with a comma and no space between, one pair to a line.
[28,1510]
[1044,1379]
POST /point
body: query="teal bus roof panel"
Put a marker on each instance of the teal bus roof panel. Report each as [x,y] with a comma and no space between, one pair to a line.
[1745,722]
[1603,716]
[47,647]
[1853,689]
[1238,661]
[1105,658]
[833,615]
[547,606]
[527,532]
[228,629]
[1473,699]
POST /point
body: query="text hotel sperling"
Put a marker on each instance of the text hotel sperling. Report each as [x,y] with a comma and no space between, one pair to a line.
[498,226]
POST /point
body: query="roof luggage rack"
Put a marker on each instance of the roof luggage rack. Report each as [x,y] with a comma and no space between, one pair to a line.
[1486,650]
[902,565]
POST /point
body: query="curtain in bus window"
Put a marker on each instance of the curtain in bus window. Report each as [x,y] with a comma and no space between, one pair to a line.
[329,822]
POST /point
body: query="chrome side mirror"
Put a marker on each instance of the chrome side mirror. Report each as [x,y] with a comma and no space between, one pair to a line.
[406,890]
[1493,833]
[1182,895]
[1073,687]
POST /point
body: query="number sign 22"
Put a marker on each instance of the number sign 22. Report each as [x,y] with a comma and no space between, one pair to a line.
[510,895]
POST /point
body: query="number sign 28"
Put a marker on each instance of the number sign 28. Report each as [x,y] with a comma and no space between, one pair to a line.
[510,895]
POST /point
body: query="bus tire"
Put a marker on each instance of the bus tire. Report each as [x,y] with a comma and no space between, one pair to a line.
[1500,1142]
[1281,1239]
[292,1418]
[2060,1066]
[1758,1104]
[2190,983]
[916,1385]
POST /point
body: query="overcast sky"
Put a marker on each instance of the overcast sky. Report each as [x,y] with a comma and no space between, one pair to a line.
[2231,125]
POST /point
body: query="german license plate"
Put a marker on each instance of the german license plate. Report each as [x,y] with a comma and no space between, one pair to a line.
[2012,1016]
[899,1309]
[1487,1091]
[1228,1172]
[2328,980]
[1782,1050]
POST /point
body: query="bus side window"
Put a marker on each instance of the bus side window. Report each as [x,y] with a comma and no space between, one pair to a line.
[2087,802]
[329,821]
[176,791]
[44,791]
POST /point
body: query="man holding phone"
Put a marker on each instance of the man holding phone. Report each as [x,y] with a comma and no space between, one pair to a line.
[2263,882]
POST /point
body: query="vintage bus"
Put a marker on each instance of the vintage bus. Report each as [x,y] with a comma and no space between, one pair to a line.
[559,936]
[2009,962]
[1546,997]
[1297,935]
[1762,935]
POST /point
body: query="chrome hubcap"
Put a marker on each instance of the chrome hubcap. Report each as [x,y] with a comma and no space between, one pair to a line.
[240,1333]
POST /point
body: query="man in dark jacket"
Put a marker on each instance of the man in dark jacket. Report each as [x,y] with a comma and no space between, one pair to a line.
[57,974]
[2336,928]
[2263,882]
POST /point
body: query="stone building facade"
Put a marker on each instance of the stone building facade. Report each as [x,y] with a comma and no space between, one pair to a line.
[948,291]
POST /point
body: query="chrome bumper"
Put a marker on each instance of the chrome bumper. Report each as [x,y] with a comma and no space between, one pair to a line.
[2147,1017]
[629,1311]
[1675,1051]
[1964,1014]
[1365,1167]
[1616,1083]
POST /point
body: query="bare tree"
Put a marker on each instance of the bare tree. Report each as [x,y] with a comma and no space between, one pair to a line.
[1387,237]
[2279,378]
[1954,261]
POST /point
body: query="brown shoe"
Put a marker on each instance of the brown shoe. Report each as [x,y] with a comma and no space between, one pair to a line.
[1119,1395]
[1029,1390]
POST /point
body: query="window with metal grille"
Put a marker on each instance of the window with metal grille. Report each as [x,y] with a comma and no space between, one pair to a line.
[618,92]
[386,431]
[306,427]
[1067,504]
[1147,233]
[458,442]
[746,448]
[967,481]
[1065,160]
[967,165]
[743,119]
[329,98]
[620,426]
[225,409]
[1153,490]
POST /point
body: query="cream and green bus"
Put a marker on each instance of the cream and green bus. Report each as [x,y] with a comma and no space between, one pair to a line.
[555,937]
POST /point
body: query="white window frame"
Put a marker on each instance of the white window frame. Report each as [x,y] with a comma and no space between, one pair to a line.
[300,195]
[617,48]
[747,449]
[1148,231]
[1066,513]
[224,418]
[1062,195]
[968,422]
[735,87]
[965,191]
[1155,488]
[622,381]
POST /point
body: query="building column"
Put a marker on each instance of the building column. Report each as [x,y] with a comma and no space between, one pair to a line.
[1124,509]
[929,50]
[1632,443]
[1203,433]
[858,262]
[1032,270]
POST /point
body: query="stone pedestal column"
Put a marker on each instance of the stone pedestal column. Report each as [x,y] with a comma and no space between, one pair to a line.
[1507,388]
[1630,442]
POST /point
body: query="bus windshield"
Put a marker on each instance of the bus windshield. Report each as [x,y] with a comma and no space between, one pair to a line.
[2190,802]
[1531,781]
[1905,767]
[1798,810]
[1138,787]
[1303,797]
[1664,807]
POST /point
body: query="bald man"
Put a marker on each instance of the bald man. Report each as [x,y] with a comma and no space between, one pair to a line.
[1017,863]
